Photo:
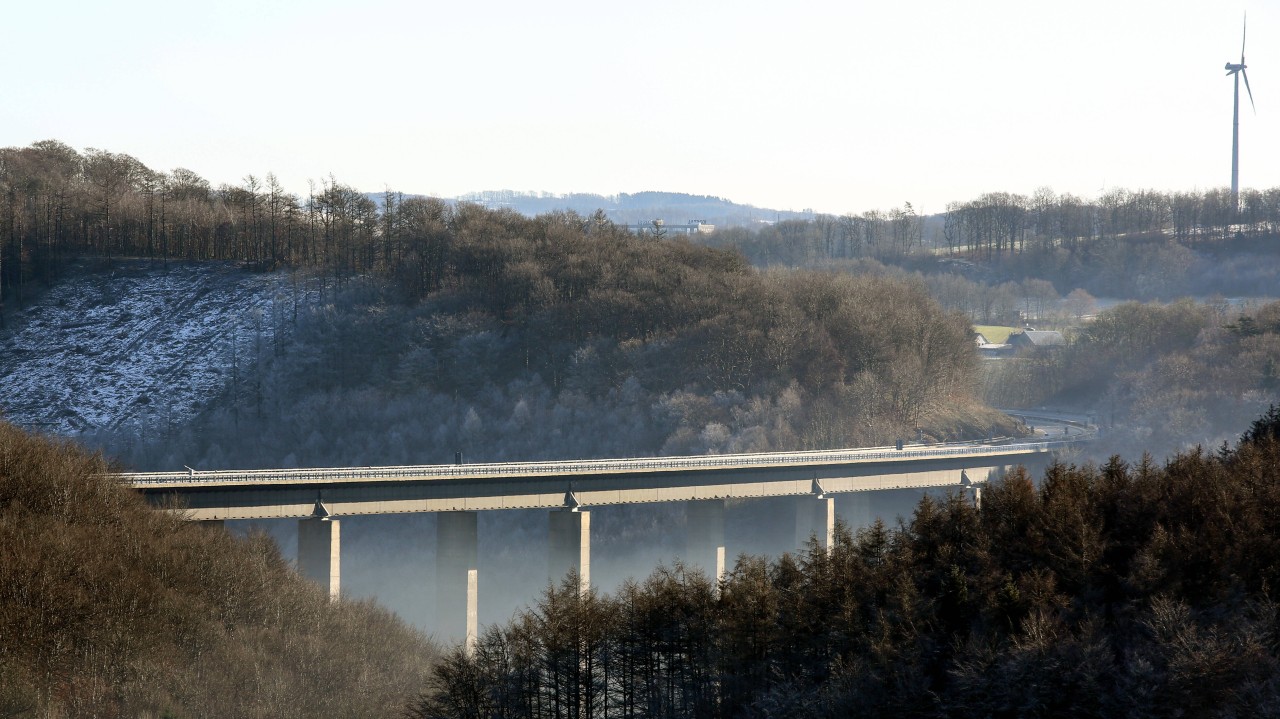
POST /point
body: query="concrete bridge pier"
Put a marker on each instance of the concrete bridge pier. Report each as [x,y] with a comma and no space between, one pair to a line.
[967,483]
[815,517]
[320,552]
[857,510]
[569,545]
[704,526]
[457,577]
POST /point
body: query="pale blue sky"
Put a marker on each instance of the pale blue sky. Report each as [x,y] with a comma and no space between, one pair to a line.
[838,106]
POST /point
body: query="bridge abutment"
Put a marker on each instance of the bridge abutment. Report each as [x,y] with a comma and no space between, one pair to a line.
[704,527]
[458,577]
[569,546]
[320,553]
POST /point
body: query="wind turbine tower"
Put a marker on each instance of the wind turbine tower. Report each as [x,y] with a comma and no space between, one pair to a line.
[1239,72]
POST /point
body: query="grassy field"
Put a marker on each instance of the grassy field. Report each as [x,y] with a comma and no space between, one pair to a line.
[995,334]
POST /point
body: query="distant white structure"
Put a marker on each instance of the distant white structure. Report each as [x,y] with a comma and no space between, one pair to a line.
[693,227]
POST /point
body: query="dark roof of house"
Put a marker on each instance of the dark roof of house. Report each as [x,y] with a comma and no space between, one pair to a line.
[1038,338]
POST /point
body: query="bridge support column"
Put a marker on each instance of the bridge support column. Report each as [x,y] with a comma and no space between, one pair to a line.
[966,482]
[704,525]
[457,578]
[570,546]
[320,552]
[815,517]
[858,512]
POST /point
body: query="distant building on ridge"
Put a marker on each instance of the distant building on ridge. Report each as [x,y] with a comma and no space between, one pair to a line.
[693,227]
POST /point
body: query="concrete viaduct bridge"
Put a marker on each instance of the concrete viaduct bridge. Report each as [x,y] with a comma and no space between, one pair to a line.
[317,497]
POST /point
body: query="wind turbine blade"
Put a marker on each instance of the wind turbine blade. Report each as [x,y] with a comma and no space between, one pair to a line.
[1244,33]
[1245,74]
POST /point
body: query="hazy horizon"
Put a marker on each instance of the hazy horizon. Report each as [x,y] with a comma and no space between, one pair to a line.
[835,108]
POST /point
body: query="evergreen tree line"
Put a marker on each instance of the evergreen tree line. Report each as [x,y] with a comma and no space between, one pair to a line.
[1113,590]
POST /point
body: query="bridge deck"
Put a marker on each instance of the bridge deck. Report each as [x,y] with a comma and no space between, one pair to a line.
[240,494]
[593,467]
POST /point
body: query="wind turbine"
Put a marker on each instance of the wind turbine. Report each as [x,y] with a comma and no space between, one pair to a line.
[1238,71]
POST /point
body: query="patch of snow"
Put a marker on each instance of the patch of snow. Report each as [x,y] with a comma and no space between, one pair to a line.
[144,344]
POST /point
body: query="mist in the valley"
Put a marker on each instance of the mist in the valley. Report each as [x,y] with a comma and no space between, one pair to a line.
[392,558]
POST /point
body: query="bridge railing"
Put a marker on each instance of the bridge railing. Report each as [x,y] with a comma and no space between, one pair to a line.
[598,466]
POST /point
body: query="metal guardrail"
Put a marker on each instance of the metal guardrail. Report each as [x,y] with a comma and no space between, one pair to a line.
[1074,419]
[517,470]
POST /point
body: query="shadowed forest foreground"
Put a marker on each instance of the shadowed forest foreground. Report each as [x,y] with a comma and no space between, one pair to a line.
[109,608]
[1104,591]
[1120,590]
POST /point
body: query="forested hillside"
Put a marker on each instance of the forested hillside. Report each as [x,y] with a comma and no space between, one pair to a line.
[1159,377]
[1140,245]
[109,608]
[517,337]
[1101,591]
[583,347]
[517,333]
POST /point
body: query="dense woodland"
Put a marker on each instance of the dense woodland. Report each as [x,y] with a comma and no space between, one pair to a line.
[1116,590]
[109,608]
[568,315]
[1143,245]
[500,327]
[680,364]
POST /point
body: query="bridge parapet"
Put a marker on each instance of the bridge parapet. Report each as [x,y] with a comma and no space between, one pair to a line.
[266,494]
[595,467]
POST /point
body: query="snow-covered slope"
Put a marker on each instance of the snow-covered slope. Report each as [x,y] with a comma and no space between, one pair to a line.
[142,343]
